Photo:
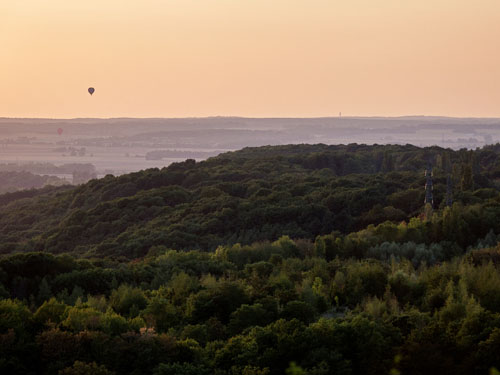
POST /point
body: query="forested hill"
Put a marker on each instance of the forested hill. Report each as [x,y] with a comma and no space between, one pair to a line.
[259,194]
[307,259]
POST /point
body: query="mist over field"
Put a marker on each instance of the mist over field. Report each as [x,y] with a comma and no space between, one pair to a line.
[76,150]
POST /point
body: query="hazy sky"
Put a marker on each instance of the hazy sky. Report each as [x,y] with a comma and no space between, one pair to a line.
[170,58]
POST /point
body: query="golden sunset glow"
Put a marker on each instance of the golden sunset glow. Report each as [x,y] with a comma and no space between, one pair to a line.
[169,58]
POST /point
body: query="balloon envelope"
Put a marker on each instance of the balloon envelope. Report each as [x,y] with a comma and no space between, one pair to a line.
[91,90]
[59,131]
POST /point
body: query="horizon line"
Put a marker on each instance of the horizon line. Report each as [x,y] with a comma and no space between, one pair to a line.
[251,118]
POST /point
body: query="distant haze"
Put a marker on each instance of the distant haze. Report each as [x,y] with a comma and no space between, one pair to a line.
[256,58]
[116,146]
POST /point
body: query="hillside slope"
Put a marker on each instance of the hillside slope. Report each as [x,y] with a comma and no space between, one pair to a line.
[251,195]
[307,259]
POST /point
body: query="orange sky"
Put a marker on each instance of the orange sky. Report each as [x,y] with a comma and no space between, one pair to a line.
[177,58]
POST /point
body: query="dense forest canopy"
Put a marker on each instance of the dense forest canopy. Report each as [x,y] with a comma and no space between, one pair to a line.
[299,259]
[247,196]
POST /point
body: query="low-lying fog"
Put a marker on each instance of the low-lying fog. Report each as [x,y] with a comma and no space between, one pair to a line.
[78,149]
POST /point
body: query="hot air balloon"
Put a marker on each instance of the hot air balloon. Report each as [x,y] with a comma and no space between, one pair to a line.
[91,90]
[59,131]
